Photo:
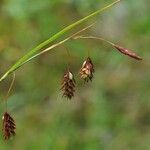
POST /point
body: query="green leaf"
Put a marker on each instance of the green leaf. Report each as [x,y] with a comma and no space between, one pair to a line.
[35,50]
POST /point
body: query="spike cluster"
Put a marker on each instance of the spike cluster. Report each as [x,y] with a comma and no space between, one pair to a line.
[68,85]
[87,70]
[8,126]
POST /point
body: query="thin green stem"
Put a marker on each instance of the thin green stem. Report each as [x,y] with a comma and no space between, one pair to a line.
[69,57]
[93,37]
[9,90]
[121,49]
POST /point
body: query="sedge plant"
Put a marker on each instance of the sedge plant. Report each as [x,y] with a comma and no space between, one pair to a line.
[68,83]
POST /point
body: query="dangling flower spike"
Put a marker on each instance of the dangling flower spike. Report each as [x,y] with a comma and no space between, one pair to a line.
[68,85]
[127,52]
[87,70]
[8,126]
[121,49]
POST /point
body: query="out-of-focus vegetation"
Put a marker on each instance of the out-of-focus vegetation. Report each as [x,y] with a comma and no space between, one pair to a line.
[112,112]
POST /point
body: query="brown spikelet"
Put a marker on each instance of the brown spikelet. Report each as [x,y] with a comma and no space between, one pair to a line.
[87,70]
[68,85]
[128,52]
[8,126]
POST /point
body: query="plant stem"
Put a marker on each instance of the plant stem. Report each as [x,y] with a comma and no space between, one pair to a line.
[95,38]
[121,49]
[9,90]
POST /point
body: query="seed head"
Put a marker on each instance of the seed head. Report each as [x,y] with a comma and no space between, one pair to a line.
[87,70]
[68,85]
[128,52]
[8,126]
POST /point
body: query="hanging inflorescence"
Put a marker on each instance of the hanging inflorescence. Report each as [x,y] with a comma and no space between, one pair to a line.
[8,126]
[68,84]
[87,70]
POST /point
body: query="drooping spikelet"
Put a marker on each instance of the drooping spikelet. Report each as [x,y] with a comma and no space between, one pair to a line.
[128,52]
[68,85]
[87,70]
[8,126]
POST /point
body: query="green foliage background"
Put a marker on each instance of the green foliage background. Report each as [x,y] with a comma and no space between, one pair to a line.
[112,112]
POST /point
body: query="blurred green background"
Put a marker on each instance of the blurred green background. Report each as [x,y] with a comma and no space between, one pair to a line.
[110,113]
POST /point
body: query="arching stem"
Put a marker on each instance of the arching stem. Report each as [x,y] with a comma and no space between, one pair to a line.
[121,49]
[93,37]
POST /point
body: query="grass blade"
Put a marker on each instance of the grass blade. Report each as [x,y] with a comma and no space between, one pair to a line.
[35,50]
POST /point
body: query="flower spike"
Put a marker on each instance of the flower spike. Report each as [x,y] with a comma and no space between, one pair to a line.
[87,70]
[8,126]
[68,84]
